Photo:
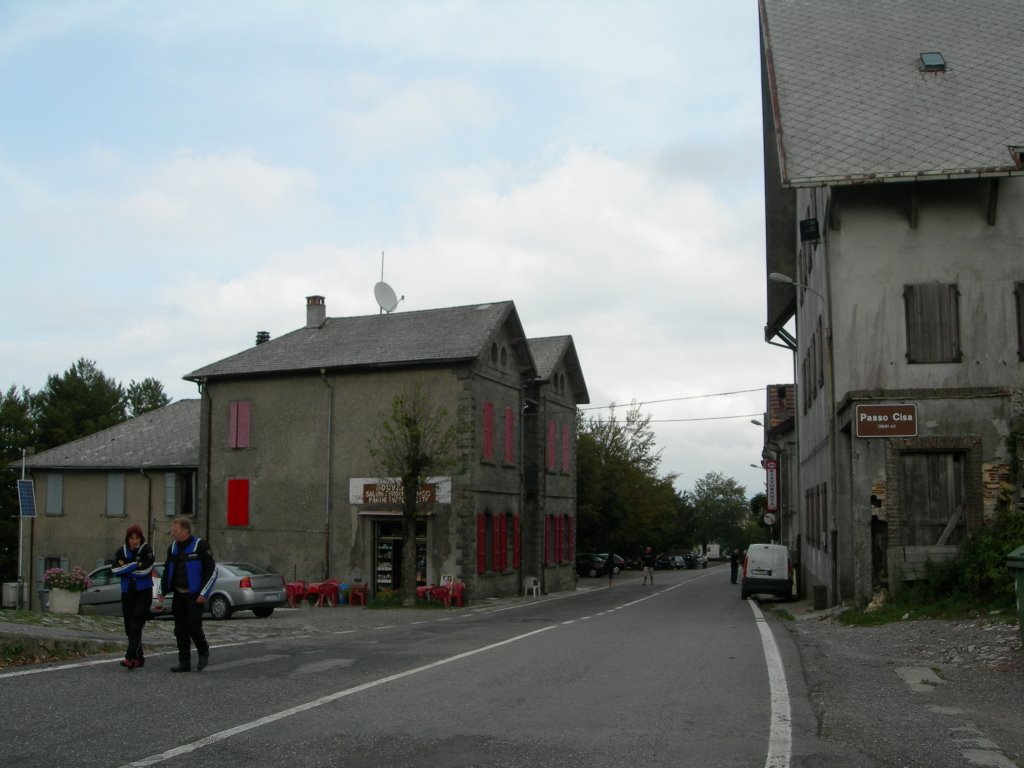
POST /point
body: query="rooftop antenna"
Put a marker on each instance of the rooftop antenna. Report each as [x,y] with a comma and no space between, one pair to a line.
[384,293]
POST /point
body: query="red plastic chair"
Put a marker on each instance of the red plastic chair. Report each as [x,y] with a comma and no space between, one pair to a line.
[423,593]
[443,594]
[457,596]
[357,595]
[328,594]
[294,593]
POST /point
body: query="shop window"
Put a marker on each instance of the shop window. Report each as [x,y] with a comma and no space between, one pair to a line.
[933,325]
[238,501]
[488,429]
[238,425]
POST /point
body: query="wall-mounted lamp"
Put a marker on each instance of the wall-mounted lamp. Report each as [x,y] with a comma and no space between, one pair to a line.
[809,232]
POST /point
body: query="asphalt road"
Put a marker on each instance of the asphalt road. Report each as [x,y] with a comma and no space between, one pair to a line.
[679,674]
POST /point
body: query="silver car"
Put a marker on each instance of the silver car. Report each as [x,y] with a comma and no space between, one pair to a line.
[104,596]
[245,587]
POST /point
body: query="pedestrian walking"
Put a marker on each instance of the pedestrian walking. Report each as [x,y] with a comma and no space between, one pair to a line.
[734,565]
[133,563]
[189,575]
[609,566]
[649,559]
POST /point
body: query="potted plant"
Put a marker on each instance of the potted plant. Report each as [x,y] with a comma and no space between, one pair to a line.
[66,588]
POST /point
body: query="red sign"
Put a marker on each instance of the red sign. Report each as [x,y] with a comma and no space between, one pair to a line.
[897,420]
[771,471]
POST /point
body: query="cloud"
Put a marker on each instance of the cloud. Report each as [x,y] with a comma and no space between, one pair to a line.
[194,196]
[412,115]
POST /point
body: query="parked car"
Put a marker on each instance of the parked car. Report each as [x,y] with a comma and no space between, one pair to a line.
[768,570]
[104,596]
[620,563]
[245,587]
[590,564]
[690,560]
[664,563]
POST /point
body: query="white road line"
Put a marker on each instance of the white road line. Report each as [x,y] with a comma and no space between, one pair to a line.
[780,734]
[214,738]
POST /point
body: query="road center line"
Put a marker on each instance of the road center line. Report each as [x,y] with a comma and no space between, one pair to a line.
[214,738]
[780,736]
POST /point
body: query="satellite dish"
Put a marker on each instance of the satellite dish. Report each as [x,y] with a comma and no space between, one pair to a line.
[385,296]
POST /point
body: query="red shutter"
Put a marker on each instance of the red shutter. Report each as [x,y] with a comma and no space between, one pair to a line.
[238,501]
[503,543]
[565,447]
[510,436]
[238,425]
[481,544]
[570,524]
[516,561]
[496,525]
[547,539]
[558,539]
[552,434]
[488,430]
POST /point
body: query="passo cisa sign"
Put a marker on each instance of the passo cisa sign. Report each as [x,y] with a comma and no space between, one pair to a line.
[889,420]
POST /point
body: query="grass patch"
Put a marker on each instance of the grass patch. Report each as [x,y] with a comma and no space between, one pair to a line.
[908,609]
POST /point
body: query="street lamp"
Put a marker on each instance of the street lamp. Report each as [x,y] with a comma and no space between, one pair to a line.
[778,277]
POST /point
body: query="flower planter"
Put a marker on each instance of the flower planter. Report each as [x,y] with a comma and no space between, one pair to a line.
[64,601]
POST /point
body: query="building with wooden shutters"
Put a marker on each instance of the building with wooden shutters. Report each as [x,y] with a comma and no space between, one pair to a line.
[893,147]
[285,475]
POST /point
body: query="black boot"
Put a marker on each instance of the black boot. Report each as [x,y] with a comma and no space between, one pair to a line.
[204,659]
[183,666]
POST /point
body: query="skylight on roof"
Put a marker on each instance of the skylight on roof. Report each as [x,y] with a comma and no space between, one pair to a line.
[933,62]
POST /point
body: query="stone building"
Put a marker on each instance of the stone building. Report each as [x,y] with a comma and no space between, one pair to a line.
[892,158]
[286,479]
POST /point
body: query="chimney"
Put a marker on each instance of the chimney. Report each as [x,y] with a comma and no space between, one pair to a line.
[262,337]
[316,311]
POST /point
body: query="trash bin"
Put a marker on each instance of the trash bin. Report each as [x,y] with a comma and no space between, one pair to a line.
[1015,562]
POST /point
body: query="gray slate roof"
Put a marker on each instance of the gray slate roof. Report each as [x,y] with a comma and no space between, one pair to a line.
[167,438]
[548,351]
[401,338]
[851,103]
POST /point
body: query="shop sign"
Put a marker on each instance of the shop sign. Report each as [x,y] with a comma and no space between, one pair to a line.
[387,491]
[890,420]
[771,471]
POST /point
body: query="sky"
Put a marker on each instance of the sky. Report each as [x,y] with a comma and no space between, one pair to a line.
[177,176]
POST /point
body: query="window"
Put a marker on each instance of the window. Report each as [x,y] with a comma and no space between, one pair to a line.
[552,437]
[510,436]
[565,448]
[238,425]
[1018,292]
[238,501]
[115,495]
[179,493]
[55,494]
[933,327]
[488,427]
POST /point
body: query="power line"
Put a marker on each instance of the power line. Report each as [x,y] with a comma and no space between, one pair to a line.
[676,399]
[702,418]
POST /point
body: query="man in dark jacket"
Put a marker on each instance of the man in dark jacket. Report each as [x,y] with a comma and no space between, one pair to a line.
[189,574]
[734,564]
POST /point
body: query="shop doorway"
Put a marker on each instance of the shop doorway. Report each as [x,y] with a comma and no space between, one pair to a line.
[388,553]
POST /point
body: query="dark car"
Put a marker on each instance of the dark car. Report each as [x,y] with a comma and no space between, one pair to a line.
[664,563]
[690,560]
[590,564]
[620,562]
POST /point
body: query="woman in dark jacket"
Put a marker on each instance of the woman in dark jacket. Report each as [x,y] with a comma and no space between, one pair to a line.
[134,564]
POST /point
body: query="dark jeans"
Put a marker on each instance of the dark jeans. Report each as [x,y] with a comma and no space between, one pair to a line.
[733,570]
[188,626]
[135,610]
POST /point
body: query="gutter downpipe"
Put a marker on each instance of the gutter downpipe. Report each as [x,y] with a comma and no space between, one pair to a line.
[330,475]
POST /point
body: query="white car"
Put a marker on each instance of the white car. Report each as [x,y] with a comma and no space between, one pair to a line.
[767,570]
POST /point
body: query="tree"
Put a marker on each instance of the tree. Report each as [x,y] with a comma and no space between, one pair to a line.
[720,509]
[144,396]
[416,440]
[79,402]
[621,501]
[15,436]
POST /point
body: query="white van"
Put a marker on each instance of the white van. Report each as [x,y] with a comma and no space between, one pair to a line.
[767,570]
